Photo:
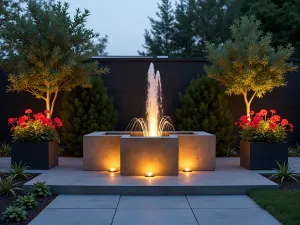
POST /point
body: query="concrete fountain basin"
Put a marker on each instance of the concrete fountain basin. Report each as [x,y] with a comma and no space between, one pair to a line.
[130,152]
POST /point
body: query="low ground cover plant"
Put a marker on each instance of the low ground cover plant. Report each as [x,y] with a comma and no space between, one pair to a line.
[17,171]
[8,186]
[40,189]
[14,214]
[5,149]
[284,173]
[26,202]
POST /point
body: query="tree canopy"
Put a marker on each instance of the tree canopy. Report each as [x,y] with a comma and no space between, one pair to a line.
[247,64]
[184,31]
[281,18]
[158,39]
[50,50]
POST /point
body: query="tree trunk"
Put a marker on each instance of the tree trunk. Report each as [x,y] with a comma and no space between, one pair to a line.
[248,108]
[48,104]
[248,102]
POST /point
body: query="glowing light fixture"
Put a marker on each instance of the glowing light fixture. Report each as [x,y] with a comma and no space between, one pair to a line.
[187,170]
[112,170]
[149,174]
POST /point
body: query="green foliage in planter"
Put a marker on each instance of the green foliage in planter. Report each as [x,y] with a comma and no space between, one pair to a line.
[204,107]
[17,170]
[35,127]
[8,187]
[284,172]
[85,111]
[263,127]
[26,202]
[14,214]
[34,131]
[40,189]
[5,149]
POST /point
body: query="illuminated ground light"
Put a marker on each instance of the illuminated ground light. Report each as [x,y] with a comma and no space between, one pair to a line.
[187,170]
[149,174]
[112,170]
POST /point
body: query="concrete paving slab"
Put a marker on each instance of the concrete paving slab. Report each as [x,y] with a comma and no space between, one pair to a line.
[85,202]
[221,202]
[249,216]
[227,179]
[74,217]
[153,202]
[154,216]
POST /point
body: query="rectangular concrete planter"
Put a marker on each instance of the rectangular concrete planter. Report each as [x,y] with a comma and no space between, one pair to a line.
[101,150]
[197,150]
[142,154]
[37,155]
[262,155]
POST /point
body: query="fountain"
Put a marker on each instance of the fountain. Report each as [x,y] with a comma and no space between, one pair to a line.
[155,124]
[150,146]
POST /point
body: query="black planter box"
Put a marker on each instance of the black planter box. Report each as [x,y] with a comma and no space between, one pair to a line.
[37,155]
[263,155]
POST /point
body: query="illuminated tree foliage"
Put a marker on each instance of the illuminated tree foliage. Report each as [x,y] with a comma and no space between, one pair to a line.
[247,64]
[50,51]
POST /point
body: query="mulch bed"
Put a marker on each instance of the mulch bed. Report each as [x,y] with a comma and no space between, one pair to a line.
[286,185]
[10,200]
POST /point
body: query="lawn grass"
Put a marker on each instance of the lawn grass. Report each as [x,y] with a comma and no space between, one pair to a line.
[284,205]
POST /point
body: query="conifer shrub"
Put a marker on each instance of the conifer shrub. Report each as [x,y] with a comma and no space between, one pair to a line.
[85,110]
[204,107]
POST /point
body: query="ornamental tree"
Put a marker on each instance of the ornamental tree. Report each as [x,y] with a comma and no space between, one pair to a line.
[247,64]
[51,50]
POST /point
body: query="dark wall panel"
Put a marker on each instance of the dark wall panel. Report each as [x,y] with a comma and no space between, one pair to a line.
[127,84]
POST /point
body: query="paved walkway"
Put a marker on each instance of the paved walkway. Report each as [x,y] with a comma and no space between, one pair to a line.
[149,210]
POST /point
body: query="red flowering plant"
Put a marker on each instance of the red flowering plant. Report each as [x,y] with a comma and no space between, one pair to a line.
[34,128]
[264,126]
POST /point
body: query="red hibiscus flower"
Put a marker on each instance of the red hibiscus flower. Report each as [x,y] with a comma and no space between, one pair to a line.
[252,112]
[273,111]
[27,111]
[244,119]
[49,122]
[275,118]
[272,126]
[12,120]
[40,117]
[47,112]
[22,119]
[23,125]
[58,122]
[284,122]
[263,112]
[257,119]
[253,124]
